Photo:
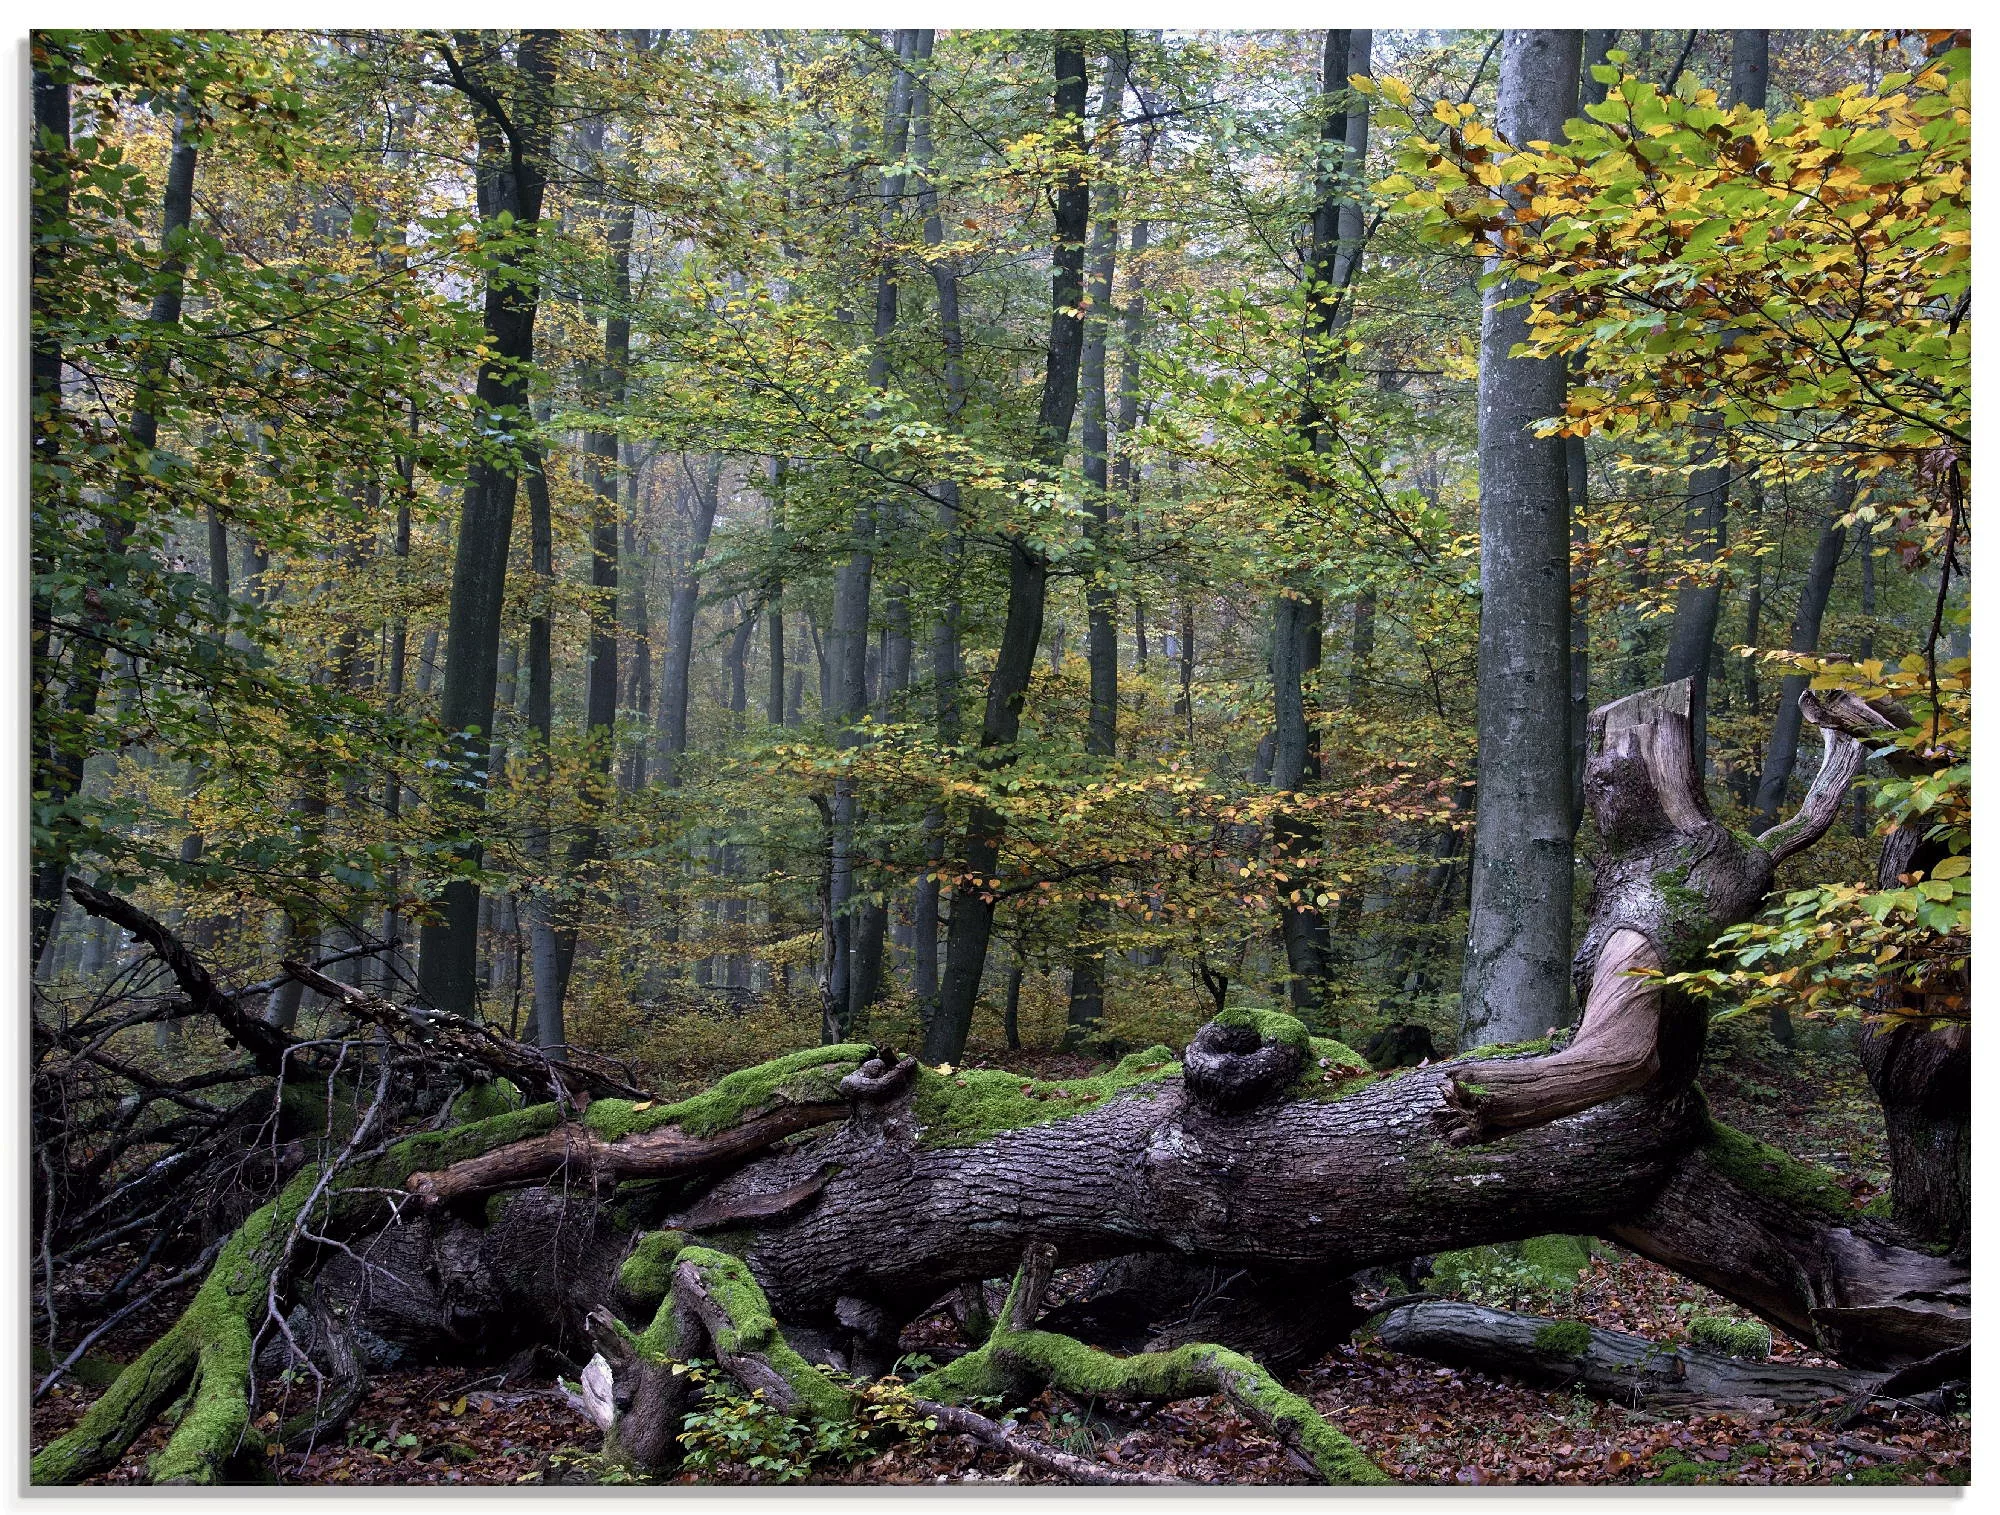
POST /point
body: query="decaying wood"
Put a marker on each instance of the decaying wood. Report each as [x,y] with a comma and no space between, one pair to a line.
[1854,1286]
[1670,878]
[451,1038]
[1611,1364]
[879,1212]
[576,1154]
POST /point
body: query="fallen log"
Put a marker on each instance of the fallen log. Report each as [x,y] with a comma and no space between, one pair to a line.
[1270,1152]
[1610,1364]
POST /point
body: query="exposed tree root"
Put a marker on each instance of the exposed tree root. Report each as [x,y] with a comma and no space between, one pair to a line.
[207,1352]
[1017,1356]
[1611,1364]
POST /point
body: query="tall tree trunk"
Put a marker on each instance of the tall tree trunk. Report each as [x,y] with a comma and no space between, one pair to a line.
[634,576]
[1696,608]
[1576,469]
[1697,605]
[705,490]
[1297,613]
[545,962]
[512,108]
[1782,755]
[66,744]
[852,985]
[1027,574]
[944,652]
[1086,990]
[607,388]
[1516,982]
[774,701]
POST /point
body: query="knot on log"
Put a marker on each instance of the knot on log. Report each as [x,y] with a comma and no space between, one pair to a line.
[881,1078]
[1243,1059]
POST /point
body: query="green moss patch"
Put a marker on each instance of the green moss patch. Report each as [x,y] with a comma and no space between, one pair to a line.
[1731,1337]
[1565,1338]
[1764,1169]
[967,1106]
[483,1101]
[648,1273]
[811,1076]
[1270,1026]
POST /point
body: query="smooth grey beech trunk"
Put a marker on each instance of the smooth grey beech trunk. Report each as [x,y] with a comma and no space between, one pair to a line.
[1517,957]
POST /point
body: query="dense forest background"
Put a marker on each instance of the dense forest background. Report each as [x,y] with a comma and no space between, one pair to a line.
[775,438]
[683,545]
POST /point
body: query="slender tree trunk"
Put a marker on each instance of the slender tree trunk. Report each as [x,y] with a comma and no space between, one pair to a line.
[513,148]
[944,652]
[1782,755]
[1516,982]
[774,701]
[1027,577]
[601,686]
[1297,613]
[682,605]
[633,575]
[1086,992]
[854,966]
[1697,606]
[1696,609]
[544,948]
[1576,462]
[61,761]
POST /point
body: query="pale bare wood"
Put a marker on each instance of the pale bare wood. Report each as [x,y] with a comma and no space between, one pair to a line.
[1616,1051]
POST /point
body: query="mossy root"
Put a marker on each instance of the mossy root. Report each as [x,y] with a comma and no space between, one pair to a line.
[1015,1353]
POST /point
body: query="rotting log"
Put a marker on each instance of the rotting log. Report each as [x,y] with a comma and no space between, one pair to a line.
[1610,1364]
[861,1189]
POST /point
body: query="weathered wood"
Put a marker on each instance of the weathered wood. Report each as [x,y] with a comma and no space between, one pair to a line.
[1611,1364]
[577,1154]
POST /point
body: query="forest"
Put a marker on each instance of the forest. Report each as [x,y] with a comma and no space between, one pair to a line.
[1039,757]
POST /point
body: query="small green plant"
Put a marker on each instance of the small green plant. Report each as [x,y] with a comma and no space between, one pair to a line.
[1528,1273]
[731,1432]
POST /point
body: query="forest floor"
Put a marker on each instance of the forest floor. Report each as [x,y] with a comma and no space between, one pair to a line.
[1422,1423]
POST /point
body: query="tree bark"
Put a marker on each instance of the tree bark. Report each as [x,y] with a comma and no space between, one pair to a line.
[1782,755]
[1086,993]
[854,964]
[1631,1370]
[512,111]
[944,649]
[1027,583]
[704,492]
[1516,981]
